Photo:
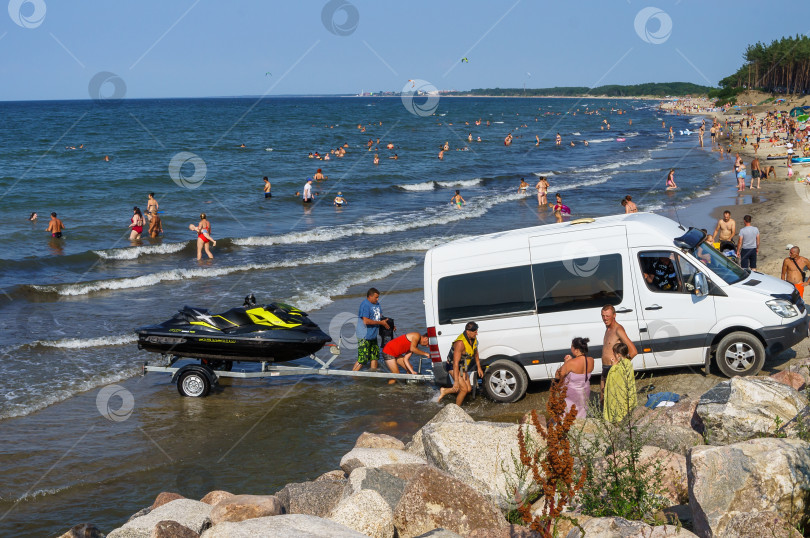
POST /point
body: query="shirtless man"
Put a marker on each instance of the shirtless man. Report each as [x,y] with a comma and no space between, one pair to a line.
[726,227]
[155,225]
[614,333]
[55,227]
[266,187]
[794,270]
[319,175]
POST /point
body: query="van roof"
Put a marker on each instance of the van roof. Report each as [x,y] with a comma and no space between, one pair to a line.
[647,228]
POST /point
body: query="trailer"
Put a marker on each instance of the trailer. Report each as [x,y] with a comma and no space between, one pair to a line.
[195,380]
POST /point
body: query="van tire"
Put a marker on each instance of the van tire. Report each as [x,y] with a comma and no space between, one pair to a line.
[740,354]
[505,381]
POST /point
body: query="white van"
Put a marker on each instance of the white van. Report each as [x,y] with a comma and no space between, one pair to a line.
[533,290]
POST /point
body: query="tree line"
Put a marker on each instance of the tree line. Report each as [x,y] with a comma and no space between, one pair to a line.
[655,89]
[781,67]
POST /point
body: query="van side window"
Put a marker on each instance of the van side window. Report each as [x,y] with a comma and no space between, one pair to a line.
[660,272]
[485,293]
[578,283]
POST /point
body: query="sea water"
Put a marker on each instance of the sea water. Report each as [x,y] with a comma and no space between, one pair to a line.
[69,306]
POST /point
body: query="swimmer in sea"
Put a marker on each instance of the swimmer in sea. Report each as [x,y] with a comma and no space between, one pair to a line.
[151,204]
[394,156]
[203,230]
[33,216]
[319,175]
[523,186]
[136,223]
[155,225]
[458,200]
[558,139]
[538,140]
[441,154]
[446,146]
[266,187]
[586,143]
[55,227]
[340,201]
[376,159]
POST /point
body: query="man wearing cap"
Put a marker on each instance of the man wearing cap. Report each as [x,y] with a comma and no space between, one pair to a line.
[307,197]
[370,319]
[459,361]
[794,269]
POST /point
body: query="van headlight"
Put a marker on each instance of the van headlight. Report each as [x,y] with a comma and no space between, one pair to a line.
[783,308]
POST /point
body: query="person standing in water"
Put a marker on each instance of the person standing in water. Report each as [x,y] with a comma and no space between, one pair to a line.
[136,223]
[55,227]
[542,191]
[671,179]
[151,204]
[629,205]
[203,230]
[267,187]
[457,200]
[155,225]
[523,186]
[558,208]
[307,196]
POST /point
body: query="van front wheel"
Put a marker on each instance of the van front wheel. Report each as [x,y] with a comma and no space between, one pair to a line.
[505,381]
[740,354]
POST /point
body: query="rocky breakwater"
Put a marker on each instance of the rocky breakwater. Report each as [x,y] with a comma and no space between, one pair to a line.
[728,467]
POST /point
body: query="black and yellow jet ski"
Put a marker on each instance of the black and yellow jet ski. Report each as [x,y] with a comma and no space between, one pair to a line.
[274,333]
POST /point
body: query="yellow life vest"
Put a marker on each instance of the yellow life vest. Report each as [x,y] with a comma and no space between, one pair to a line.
[467,355]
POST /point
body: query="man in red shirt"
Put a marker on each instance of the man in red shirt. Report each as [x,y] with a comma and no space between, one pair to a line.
[398,351]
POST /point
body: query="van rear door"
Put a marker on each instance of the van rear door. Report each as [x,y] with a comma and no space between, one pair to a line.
[575,274]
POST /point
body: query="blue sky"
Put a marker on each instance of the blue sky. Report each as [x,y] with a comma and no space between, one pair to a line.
[195,48]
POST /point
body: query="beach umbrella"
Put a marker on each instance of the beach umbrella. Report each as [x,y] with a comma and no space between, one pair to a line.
[796,111]
[803,117]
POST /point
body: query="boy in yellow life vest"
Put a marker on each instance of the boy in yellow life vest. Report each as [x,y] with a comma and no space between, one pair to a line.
[463,351]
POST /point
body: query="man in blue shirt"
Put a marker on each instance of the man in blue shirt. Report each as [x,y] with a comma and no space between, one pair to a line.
[368,325]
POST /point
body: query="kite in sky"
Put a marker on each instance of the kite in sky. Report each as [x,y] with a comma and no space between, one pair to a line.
[465,60]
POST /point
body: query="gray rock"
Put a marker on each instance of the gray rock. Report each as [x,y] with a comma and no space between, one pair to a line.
[367,512]
[752,476]
[336,475]
[617,527]
[242,507]
[449,413]
[191,514]
[759,524]
[286,526]
[390,487]
[746,407]
[311,498]
[375,457]
[480,454]
[440,533]
[378,440]
[674,438]
[434,499]
[172,529]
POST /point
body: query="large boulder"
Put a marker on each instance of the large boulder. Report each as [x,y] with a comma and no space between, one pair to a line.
[449,413]
[747,407]
[375,457]
[367,512]
[188,513]
[434,499]
[767,524]
[440,533]
[376,479]
[683,415]
[480,454]
[791,379]
[242,507]
[673,438]
[617,527]
[285,526]
[311,498]
[378,440]
[512,531]
[752,476]
[673,472]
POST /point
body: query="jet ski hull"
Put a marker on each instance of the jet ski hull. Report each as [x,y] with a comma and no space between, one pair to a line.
[273,333]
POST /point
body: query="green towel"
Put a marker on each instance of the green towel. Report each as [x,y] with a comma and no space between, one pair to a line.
[620,391]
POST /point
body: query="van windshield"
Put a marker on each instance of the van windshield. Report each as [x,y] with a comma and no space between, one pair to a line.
[730,272]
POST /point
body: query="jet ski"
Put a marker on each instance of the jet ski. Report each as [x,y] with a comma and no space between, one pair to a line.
[275,332]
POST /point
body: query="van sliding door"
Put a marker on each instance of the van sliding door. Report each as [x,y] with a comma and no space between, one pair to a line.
[573,279]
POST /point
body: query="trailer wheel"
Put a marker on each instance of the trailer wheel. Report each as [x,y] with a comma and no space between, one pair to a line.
[505,381]
[193,384]
[740,354]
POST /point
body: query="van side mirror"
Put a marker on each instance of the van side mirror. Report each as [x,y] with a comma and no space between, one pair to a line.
[701,285]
